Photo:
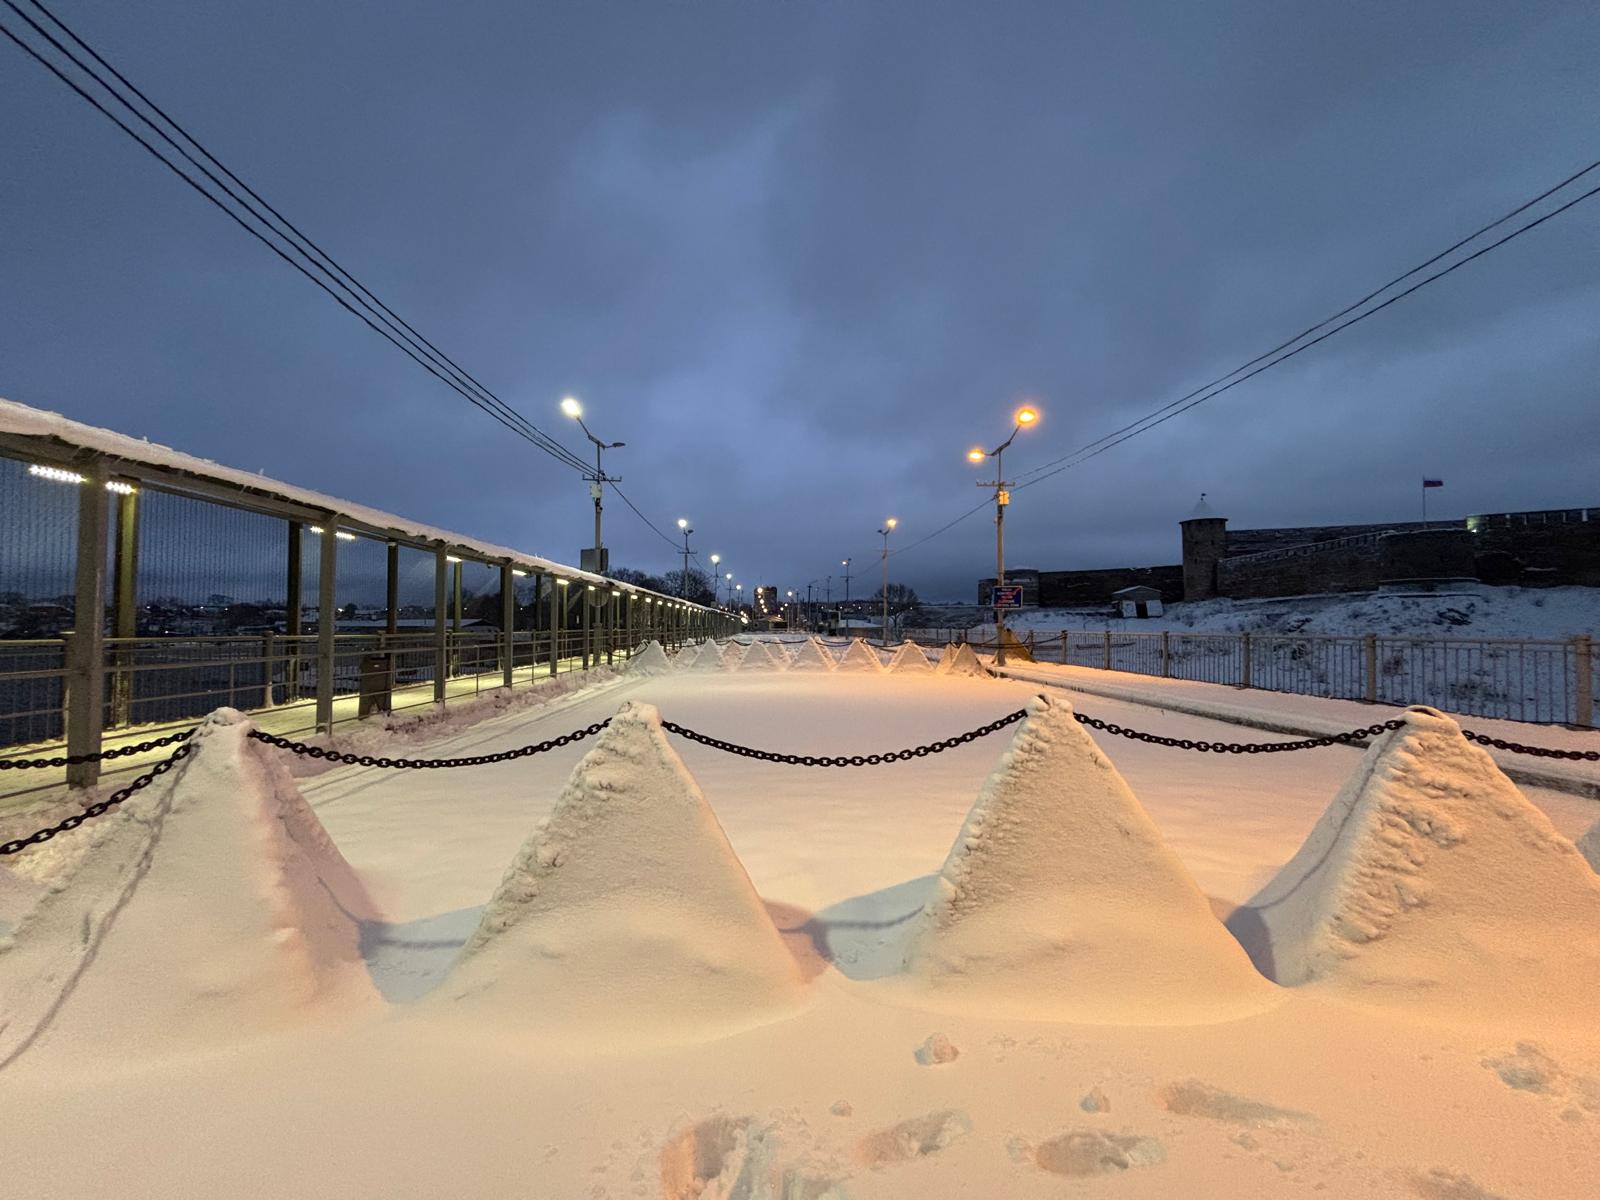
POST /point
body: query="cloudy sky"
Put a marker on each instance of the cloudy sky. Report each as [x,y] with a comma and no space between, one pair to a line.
[800,255]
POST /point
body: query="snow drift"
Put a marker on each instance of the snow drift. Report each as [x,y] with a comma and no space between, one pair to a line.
[684,659]
[946,655]
[1059,899]
[627,912]
[709,659]
[1432,880]
[909,659]
[858,656]
[733,655]
[1589,846]
[652,660]
[764,656]
[811,657]
[208,906]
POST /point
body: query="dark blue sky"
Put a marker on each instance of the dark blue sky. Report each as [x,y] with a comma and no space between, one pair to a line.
[801,256]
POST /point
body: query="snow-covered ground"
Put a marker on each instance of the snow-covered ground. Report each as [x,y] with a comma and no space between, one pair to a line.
[221,1002]
[1476,611]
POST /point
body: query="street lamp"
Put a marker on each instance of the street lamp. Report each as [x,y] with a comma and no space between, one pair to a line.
[597,481]
[715,559]
[1024,416]
[683,524]
[888,526]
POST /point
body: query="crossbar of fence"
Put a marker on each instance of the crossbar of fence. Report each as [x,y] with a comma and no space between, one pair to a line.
[1534,680]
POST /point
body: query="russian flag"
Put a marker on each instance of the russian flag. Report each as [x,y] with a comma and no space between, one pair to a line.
[1428,483]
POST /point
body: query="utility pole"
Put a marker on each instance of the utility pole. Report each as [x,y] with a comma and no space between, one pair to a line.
[1002,497]
[596,560]
[683,524]
[888,526]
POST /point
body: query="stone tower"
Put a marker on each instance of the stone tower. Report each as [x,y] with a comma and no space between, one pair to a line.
[1205,543]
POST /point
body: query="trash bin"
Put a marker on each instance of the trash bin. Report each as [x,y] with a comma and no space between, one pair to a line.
[375,684]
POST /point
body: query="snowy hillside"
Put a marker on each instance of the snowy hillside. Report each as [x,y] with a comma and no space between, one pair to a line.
[1478,612]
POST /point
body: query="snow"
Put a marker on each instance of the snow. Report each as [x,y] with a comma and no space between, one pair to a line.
[810,656]
[1060,899]
[909,659]
[763,656]
[965,662]
[627,914]
[858,656]
[652,660]
[710,658]
[1317,1094]
[196,912]
[685,659]
[1474,610]
[733,654]
[1589,846]
[1431,881]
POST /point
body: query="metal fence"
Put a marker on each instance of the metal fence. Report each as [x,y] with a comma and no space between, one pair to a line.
[1549,682]
[141,588]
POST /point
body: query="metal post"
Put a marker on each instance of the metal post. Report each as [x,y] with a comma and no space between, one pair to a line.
[441,631]
[84,652]
[1166,655]
[327,614]
[1000,556]
[1107,661]
[508,621]
[1369,646]
[1583,706]
[124,605]
[391,623]
[610,623]
[455,622]
[293,625]
[555,624]
[585,617]
[1244,660]
[269,648]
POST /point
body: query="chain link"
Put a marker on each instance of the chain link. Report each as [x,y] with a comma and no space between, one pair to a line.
[846,760]
[102,806]
[422,764]
[1333,739]
[73,760]
[1536,751]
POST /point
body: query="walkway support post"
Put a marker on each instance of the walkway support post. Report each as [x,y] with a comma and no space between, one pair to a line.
[441,631]
[125,607]
[1583,702]
[293,624]
[85,649]
[327,615]
[1369,654]
[1244,660]
[508,620]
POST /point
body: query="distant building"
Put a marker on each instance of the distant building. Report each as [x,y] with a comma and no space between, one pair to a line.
[1544,548]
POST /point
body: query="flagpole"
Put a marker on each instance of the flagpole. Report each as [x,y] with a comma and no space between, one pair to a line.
[1424,501]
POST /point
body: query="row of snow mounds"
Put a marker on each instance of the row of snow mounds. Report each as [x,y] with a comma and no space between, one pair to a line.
[764,656]
[812,656]
[206,906]
[1432,881]
[627,915]
[652,660]
[858,656]
[1059,900]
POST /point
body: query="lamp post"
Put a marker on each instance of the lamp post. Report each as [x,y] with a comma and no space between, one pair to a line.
[597,481]
[888,526]
[715,559]
[846,565]
[729,578]
[683,524]
[1026,415]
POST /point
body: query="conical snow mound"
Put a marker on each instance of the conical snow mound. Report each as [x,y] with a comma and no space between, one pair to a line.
[709,659]
[686,658]
[1589,846]
[1060,900]
[652,660]
[910,660]
[946,656]
[733,654]
[811,657]
[1431,879]
[858,656]
[763,656]
[965,662]
[627,913]
[208,906]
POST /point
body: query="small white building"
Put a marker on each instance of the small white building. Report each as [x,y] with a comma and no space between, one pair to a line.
[1137,601]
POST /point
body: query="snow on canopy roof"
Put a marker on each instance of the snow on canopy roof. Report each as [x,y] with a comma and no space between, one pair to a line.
[19,420]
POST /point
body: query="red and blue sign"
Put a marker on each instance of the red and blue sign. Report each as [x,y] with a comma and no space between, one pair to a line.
[1007,596]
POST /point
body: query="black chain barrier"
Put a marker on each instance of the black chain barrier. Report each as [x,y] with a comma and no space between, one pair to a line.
[73,760]
[846,760]
[102,806]
[1350,737]
[420,764]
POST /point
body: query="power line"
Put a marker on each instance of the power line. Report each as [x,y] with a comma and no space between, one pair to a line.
[420,349]
[1304,333]
[1418,286]
[671,541]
